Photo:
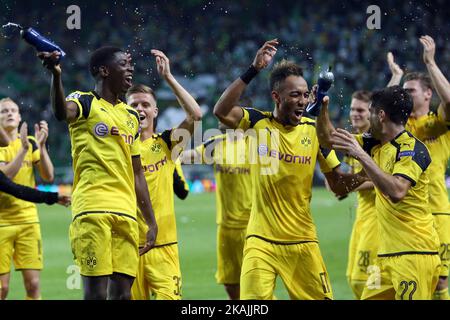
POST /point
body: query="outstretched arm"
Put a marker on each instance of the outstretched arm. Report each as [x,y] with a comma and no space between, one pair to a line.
[440,83]
[62,109]
[186,101]
[397,72]
[342,183]
[30,194]
[394,187]
[226,109]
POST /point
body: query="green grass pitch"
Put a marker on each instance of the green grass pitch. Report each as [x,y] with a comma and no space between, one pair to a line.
[197,244]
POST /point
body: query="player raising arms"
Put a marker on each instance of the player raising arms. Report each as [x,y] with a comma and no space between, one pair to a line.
[159,272]
[108,176]
[281,236]
[433,129]
[397,163]
[21,234]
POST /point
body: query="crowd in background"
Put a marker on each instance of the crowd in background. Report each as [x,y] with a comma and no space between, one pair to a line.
[210,43]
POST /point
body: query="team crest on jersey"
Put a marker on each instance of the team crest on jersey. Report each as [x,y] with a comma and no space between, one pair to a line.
[306,141]
[101,129]
[90,259]
[156,148]
[130,122]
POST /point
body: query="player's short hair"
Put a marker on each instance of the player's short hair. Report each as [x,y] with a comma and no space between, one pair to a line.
[7,99]
[362,95]
[101,57]
[281,70]
[423,78]
[395,102]
[140,88]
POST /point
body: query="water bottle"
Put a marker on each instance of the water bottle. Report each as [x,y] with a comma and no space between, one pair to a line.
[38,41]
[326,79]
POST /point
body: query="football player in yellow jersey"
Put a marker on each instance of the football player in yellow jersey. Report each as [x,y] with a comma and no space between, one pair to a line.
[228,153]
[397,163]
[364,238]
[433,129]
[281,236]
[20,238]
[108,177]
[159,274]
[24,192]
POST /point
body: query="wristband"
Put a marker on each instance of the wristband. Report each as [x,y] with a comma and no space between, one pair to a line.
[248,75]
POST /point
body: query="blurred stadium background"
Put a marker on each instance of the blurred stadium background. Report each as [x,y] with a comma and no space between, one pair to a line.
[209,44]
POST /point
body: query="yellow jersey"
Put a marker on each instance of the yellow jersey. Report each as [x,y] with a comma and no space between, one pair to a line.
[233,180]
[158,166]
[104,139]
[13,210]
[434,132]
[407,226]
[365,198]
[283,160]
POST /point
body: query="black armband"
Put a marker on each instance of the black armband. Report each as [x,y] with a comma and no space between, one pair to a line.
[248,75]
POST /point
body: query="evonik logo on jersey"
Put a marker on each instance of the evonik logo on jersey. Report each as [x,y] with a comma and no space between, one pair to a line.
[263,151]
[101,130]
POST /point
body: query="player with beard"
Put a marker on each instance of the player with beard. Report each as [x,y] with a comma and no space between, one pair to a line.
[397,163]
[281,236]
[432,128]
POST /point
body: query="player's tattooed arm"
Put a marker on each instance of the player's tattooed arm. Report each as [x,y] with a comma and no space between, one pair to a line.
[440,83]
[62,109]
[396,71]
[227,109]
[186,101]
[324,126]
[394,187]
[145,204]
[12,168]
